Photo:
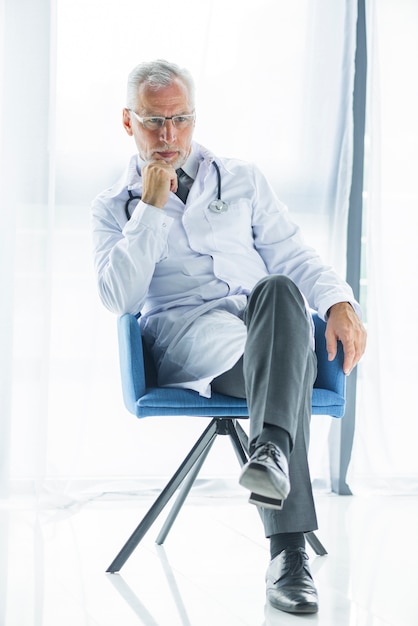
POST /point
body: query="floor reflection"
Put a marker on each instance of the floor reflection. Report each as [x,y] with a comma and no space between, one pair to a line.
[135,603]
[210,569]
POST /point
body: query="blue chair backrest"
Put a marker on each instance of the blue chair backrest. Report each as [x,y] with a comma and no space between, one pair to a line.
[143,397]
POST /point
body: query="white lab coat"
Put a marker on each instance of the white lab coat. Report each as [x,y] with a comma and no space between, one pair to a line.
[188,270]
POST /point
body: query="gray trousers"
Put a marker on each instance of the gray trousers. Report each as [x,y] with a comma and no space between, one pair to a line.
[276,376]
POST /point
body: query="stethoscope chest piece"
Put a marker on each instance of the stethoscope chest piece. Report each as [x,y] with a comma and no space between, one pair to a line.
[218,206]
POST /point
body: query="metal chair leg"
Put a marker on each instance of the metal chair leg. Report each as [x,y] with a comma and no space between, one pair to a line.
[184,492]
[239,444]
[164,497]
[315,544]
[225,426]
[243,437]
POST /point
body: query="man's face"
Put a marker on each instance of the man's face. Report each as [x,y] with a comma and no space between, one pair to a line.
[168,143]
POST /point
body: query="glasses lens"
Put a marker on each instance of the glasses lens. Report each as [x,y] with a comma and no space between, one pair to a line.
[179,121]
[153,123]
[182,121]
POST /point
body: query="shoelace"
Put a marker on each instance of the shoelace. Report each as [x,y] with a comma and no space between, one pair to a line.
[268,450]
[295,562]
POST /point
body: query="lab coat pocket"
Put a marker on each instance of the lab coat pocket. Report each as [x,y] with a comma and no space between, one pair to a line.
[231,228]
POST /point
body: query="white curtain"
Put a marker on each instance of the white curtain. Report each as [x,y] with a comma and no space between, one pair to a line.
[384,455]
[274,84]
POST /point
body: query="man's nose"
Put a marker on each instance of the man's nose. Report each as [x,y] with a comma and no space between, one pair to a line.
[168,131]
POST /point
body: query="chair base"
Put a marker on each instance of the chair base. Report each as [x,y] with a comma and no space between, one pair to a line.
[185,477]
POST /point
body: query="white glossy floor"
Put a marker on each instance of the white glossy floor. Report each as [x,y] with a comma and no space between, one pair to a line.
[210,571]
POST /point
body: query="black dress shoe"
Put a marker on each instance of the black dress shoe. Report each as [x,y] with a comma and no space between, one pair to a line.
[290,586]
[266,475]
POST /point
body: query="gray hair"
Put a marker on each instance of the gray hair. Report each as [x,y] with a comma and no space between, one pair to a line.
[156,74]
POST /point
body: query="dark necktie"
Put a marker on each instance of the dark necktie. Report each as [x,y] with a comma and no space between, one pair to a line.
[184,183]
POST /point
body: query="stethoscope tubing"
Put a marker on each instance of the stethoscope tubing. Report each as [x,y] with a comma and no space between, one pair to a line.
[128,202]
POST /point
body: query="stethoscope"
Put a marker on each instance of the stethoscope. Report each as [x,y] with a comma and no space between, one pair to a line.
[217,206]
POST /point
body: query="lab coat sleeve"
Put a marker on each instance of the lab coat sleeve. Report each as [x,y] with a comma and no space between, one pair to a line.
[125,254]
[280,243]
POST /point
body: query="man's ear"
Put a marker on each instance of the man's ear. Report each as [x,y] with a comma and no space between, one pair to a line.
[126,121]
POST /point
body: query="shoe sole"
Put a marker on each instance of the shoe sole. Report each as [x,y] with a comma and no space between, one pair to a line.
[309,607]
[265,502]
[257,479]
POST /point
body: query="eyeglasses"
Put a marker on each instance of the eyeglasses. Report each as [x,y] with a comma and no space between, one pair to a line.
[157,121]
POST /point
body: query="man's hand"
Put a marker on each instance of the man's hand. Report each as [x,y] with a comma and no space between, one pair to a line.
[345,325]
[158,179]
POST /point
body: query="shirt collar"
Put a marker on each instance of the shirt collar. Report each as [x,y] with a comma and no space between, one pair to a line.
[191,164]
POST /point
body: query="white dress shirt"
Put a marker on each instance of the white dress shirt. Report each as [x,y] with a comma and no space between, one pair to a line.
[189,270]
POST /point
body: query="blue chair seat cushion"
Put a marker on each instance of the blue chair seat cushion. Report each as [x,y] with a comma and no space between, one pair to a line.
[175,401]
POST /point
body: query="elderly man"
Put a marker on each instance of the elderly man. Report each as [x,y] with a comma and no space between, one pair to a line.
[201,247]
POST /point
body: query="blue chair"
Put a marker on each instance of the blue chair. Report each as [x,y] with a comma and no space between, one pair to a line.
[144,398]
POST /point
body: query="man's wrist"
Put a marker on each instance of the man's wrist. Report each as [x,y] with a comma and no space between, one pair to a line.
[336,305]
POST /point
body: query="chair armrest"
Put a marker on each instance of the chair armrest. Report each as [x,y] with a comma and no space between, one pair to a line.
[330,373]
[131,360]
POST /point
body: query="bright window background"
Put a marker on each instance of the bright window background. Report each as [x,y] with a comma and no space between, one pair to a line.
[274,85]
[261,95]
[268,88]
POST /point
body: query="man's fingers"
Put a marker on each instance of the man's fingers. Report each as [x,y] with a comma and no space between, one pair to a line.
[349,357]
[344,325]
[351,354]
[331,348]
[159,178]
